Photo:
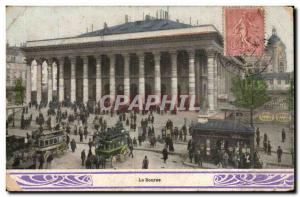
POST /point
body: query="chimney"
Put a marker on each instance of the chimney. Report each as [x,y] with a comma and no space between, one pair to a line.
[177,20]
[190,20]
[92,27]
[87,30]
[105,25]
[126,18]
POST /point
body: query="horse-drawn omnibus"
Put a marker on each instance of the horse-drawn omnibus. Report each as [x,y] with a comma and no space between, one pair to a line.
[48,140]
[114,142]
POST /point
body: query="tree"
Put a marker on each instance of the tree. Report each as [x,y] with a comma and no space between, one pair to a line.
[250,93]
[19,91]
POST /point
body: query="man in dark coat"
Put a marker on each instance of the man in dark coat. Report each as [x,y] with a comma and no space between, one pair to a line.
[165,154]
[90,144]
[283,135]
[269,148]
[68,140]
[85,132]
[279,154]
[257,137]
[131,150]
[145,163]
[73,145]
[41,160]
[49,160]
[83,156]
[80,136]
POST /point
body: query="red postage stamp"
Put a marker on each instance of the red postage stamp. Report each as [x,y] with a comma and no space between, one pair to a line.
[244,31]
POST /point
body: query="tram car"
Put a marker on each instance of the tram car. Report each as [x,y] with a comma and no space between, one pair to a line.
[114,142]
[48,140]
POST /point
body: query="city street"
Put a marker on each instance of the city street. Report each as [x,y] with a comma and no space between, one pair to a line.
[177,159]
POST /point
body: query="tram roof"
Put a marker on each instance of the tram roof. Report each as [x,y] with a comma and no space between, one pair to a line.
[226,126]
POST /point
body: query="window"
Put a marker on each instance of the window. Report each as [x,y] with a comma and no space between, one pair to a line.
[271,81]
[286,81]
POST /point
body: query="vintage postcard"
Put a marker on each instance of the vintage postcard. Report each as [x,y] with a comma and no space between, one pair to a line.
[127,98]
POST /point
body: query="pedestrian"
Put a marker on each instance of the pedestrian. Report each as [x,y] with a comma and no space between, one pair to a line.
[88,163]
[257,137]
[165,154]
[279,154]
[80,136]
[145,163]
[131,150]
[49,160]
[265,146]
[83,156]
[265,138]
[283,135]
[134,142]
[269,148]
[41,160]
[73,145]
[90,143]
[140,140]
[225,159]
[191,154]
[199,157]
[85,132]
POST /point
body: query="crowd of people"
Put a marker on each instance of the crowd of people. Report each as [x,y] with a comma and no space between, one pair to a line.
[73,118]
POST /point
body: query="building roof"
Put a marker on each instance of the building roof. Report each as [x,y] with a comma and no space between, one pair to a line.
[217,125]
[279,76]
[138,26]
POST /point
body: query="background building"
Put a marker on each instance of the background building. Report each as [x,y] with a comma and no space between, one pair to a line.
[15,69]
[152,56]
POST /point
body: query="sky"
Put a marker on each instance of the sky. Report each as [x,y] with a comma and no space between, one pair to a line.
[36,23]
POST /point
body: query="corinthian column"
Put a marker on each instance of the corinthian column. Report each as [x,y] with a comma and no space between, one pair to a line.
[126,75]
[192,80]
[73,79]
[61,79]
[210,80]
[39,81]
[157,76]
[141,58]
[85,80]
[174,81]
[28,81]
[50,84]
[98,78]
[112,80]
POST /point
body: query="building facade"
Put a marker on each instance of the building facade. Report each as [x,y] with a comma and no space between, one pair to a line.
[152,56]
[15,69]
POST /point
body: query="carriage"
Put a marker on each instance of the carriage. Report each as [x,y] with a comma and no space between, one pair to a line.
[48,140]
[114,142]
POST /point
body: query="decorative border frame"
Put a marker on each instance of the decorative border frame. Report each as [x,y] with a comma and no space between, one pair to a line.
[218,180]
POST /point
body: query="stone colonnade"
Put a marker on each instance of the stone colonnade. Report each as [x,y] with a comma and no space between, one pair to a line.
[212,83]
